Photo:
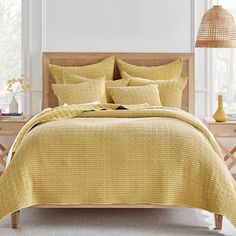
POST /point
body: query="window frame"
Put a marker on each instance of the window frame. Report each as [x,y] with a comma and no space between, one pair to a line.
[25,29]
[20,72]
[32,12]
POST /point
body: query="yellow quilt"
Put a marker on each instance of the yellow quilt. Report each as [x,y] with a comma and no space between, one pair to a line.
[136,155]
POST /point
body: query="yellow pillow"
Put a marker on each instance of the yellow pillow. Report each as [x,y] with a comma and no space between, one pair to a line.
[169,71]
[170,90]
[112,84]
[81,93]
[100,69]
[71,78]
[136,95]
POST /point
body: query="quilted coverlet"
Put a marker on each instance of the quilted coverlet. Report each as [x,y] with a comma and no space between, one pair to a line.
[100,155]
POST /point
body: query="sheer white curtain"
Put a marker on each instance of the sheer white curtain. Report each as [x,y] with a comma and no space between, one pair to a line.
[10,47]
[224,68]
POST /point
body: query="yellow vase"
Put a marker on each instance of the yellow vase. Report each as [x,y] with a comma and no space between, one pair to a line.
[220,115]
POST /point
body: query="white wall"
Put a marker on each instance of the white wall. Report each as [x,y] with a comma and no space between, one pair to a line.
[118,25]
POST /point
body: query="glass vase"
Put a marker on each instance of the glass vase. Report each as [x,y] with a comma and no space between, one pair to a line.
[13,106]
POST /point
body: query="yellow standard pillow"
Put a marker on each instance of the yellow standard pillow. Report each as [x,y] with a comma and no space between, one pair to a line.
[100,69]
[81,93]
[169,71]
[170,91]
[136,95]
[71,78]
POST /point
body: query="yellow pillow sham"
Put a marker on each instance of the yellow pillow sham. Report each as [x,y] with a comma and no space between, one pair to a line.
[170,91]
[100,69]
[81,93]
[136,95]
[169,71]
[71,78]
[113,84]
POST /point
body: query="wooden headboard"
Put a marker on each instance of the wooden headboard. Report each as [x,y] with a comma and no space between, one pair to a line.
[144,59]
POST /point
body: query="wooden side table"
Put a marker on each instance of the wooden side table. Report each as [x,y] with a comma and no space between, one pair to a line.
[9,128]
[224,130]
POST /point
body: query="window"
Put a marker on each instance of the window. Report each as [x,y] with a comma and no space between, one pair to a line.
[10,47]
[224,69]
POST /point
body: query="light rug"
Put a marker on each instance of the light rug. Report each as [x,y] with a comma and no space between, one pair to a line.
[114,222]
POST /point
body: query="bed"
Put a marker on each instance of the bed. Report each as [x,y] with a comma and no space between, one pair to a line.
[115,193]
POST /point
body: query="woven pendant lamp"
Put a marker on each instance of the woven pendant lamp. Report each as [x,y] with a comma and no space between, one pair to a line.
[217,29]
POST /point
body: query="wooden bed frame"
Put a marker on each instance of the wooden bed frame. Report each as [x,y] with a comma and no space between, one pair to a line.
[144,59]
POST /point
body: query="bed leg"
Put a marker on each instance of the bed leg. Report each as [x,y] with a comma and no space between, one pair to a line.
[218,222]
[15,219]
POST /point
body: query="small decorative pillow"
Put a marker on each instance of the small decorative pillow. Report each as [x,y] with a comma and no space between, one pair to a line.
[81,93]
[112,84]
[169,71]
[170,90]
[71,78]
[136,95]
[100,69]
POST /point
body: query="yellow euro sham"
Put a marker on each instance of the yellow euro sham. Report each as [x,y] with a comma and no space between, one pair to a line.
[136,95]
[94,71]
[70,78]
[169,71]
[170,91]
[86,92]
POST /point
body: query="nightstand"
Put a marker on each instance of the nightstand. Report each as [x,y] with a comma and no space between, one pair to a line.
[9,128]
[224,130]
